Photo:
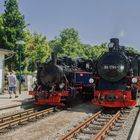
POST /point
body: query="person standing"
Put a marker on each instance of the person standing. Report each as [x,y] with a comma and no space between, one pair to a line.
[12,84]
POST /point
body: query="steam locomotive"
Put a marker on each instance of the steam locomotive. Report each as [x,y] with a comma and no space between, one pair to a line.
[60,80]
[117,77]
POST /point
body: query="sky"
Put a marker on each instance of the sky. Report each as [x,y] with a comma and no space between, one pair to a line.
[96,20]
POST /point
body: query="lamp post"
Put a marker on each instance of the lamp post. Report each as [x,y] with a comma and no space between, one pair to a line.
[20,43]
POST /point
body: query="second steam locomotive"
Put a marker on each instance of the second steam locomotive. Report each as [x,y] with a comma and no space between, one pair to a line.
[60,81]
[117,79]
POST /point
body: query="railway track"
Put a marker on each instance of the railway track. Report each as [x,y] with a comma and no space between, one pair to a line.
[8,122]
[97,126]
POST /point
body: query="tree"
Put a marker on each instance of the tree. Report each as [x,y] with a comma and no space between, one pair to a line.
[68,43]
[13,24]
[1,31]
[94,51]
[37,48]
[69,36]
[132,50]
[56,46]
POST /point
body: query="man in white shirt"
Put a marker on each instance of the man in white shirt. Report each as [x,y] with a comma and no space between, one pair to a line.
[12,84]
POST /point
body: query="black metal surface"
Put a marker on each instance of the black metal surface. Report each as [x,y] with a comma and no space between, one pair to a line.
[56,71]
[113,66]
[49,74]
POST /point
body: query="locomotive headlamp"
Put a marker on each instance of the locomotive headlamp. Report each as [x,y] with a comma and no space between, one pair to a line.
[110,45]
[91,80]
[61,85]
[134,80]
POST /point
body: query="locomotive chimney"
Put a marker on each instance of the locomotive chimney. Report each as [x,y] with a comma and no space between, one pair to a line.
[115,41]
[54,58]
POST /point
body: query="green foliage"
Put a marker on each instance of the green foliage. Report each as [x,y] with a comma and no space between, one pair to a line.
[56,46]
[132,50]
[23,73]
[1,31]
[68,43]
[36,48]
[69,36]
[94,51]
[13,24]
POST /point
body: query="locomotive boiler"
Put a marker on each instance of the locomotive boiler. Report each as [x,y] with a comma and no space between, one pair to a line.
[117,79]
[60,80]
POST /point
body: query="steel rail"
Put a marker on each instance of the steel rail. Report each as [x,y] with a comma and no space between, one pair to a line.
[79,127]
[15,115]
[27,117]
[101,134]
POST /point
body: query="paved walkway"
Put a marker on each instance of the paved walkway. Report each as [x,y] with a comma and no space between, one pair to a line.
[5,101]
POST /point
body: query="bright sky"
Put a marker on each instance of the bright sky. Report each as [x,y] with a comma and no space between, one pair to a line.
[96,20]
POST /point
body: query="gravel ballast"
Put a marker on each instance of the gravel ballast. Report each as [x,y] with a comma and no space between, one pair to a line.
[58,124]
[53,126]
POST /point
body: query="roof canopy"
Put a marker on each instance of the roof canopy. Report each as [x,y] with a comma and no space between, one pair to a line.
[5,52]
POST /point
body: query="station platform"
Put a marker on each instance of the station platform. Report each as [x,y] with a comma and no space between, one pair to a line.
[6,102]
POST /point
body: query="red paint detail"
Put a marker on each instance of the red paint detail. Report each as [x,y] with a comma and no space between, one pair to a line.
[123,100]
[78,87]
[32,92]
[54,98]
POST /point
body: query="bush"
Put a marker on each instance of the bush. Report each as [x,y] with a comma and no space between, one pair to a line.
[24,73]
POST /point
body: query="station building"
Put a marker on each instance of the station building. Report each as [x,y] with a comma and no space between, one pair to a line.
[3,54]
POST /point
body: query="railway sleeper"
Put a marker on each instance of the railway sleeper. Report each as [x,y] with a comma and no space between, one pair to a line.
[4,126]
[101,120]
[112,134]
[120,121]
[23,123]
[106,117]
[83,137]
[14,123]
[16,113]
[6,120]
[26,116]
[4,130]
[39,116]
[32,119]
[90,132]
[118,124]
[122,118]
[115,128]
[98,123]
[126,112]
[23,120]
[95,127]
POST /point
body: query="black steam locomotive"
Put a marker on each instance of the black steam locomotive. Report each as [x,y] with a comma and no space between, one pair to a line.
[118,77]
[61,79]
